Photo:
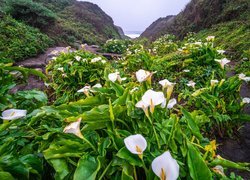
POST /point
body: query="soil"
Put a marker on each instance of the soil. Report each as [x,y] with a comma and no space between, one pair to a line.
[236,149]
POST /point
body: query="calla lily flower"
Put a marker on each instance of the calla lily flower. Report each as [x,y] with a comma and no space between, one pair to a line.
[213,82]
[221,51]
[78,58]
[115,77]
[169,85]
[143,75]
[153,98]
[222,62]
[246,100]
[191,84]
[60,69]
[210,38]
[143,106]
[97,86]
[74,128]
[94,60]
[85,90]
[165,167]
[171,103]
[244,77]
[136,144]
[186,70]
[12,114]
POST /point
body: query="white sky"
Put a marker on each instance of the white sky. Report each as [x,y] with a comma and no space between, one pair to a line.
[137,15]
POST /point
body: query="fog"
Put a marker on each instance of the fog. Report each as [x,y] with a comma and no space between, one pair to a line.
[137,15]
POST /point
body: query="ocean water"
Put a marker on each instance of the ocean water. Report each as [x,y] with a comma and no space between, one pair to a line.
[133,34]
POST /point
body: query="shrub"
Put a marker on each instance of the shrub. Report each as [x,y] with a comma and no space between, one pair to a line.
[34,14]
[116,46]
[19,41]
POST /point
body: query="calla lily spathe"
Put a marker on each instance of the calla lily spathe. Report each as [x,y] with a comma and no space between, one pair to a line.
[97,86]
[74,128]
[213,82]
[85,90]
[78,58]
[191,84]
[244,77]
[221,51]
[115,77]
[165,167]
[171,103]
[210,38]
[143,75]
[136,144]
[166,84]
[223,62]
[12,114]
[152,99]
[246,100]
[144,106]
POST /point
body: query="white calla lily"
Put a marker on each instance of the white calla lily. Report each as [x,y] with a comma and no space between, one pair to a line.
[78,58]
[165,167]
[191,84]
[244,77]
[97,86]
[210,38]
[94,60]
[186,70]
[171,103]
[153,98]
[213,82]
[12,114]
[221,51]
[246,100]
[116,77]
[85,90]
[136,144]
[143,75]
[144,106]
[169,85]
[60,69]
[223,62]
[74,128]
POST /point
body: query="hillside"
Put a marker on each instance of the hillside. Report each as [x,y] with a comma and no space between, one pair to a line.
[202,15]
[64,22]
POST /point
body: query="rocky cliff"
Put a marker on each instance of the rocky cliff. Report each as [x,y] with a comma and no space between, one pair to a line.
[198,15]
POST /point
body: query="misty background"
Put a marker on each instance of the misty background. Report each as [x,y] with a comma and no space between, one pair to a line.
[137,15]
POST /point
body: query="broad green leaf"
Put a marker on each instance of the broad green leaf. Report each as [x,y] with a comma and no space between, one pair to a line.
[5,176]
[197,167]
[191,124]
[87,168]
[61,168]
[132,159]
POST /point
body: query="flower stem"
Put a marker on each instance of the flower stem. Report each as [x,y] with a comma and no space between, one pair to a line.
[89,143]
[155,134]
[105,170]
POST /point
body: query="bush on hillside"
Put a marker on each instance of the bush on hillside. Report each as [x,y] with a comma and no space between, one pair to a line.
[35,14]
[19,41]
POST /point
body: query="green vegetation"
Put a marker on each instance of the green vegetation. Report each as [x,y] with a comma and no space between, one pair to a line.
[88,130]
[19,41]
[30,12]
[66,22]
[116,46]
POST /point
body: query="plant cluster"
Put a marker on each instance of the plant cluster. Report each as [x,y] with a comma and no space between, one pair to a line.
[14,48]
[71,71]
[116,46]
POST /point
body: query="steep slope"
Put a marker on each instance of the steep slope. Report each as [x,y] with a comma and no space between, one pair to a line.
[198,15]
[65,21]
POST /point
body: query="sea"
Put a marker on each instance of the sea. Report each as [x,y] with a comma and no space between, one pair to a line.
[133,34]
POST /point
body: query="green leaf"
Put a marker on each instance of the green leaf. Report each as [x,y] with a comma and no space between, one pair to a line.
[128,156]
[191,124]
[197,167]
[6,176]
[61,168]
[87,168]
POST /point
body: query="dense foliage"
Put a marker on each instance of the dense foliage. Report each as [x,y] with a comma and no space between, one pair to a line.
[30,12]
[19,41]
[177,103]
[116,46]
